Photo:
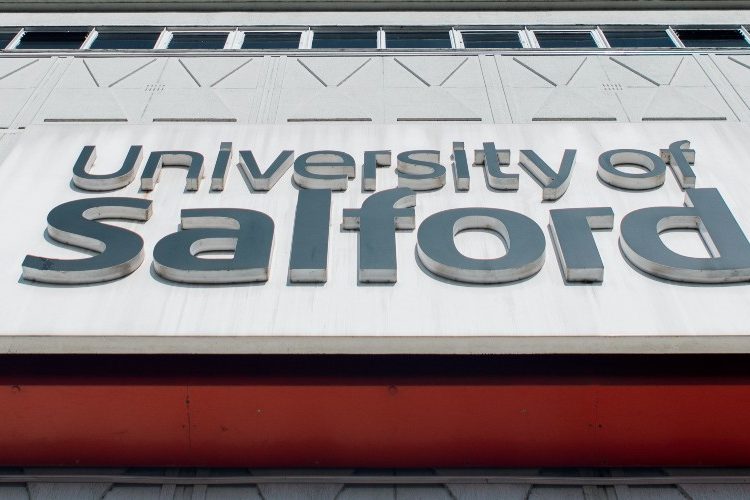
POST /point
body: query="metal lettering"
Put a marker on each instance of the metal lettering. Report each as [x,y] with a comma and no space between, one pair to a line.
[437,250]
[373,160]
[575,246]
[381,214]
[264,181]
[83,179]
[706,212]
[609,160]
[492,160]
[247,233]
[461,179]
[420,170]
[339,168]
[680,157]
[554,184]
[219,176]
[309,257]
[159,159]
[120,251]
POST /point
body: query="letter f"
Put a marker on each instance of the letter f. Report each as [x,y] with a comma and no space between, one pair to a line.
[381,214]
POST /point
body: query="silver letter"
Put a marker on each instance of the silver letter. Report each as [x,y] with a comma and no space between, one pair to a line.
[491,159]
[705,212]
[340,165]
[375,221]
[266,180]
[373,160]
[575,246]
[105,182]
[309,260]
[554,183]
[437,250]
[637,182]
[680,157]
[72,223]
[158,159]
[420,170]
[247,233]
[220,167]
[461,177]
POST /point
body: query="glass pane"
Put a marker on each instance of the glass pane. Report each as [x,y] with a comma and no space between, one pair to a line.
[271,40]
[198,41]
[418,40]
[712,38]
[491,40]
[5,39]
[52,40]
[632,38]
[119,40]
[565,39]
[345,40]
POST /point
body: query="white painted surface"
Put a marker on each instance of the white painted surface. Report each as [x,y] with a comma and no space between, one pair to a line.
[444,14]
[629,312]
[513,87]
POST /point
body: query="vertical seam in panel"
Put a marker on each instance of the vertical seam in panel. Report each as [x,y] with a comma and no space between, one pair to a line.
[502,87]
[47,83]
[715,86]
[278,82]
[712,58]
[487,89]
[260,90]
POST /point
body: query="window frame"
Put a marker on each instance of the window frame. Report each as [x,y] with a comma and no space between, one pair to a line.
[168,35]
[377,30]
[723,27]
[419,29]
[17,34]
[16,41]
[94,35]
[635,28]
[594,32]
[520,34]
[242,31]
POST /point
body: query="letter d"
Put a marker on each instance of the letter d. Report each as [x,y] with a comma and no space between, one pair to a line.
[705,212]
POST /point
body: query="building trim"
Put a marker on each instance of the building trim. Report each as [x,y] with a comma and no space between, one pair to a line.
[359,5]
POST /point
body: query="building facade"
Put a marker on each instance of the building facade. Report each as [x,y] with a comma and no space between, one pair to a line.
[411,211]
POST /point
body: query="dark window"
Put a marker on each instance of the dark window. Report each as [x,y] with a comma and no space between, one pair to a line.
[565,39]
[271,40]
[633,38]
[418,40]
[491,40]
[5,39]
[712,38]
[198,41]
[60,40]
[345,40]
[120,40]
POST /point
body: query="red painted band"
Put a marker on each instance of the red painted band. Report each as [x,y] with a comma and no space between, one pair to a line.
[376,412]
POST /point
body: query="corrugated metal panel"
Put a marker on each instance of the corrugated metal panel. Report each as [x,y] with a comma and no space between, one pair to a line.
[568,485]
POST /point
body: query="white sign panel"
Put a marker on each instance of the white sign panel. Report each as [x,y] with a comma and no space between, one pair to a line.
[361,238]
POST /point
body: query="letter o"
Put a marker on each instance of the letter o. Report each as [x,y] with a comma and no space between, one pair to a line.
[609,160]
[436,247]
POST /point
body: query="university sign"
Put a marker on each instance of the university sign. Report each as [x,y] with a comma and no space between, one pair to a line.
[248,234]
[411,226]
